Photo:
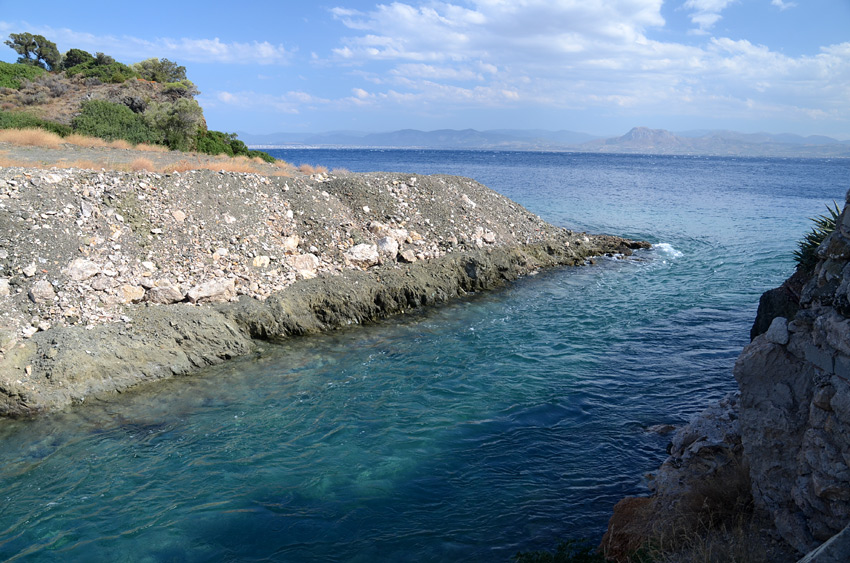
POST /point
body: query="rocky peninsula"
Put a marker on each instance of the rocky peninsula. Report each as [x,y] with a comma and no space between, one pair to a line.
[110,279]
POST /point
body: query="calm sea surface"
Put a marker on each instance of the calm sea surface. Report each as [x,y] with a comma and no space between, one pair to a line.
[467,433]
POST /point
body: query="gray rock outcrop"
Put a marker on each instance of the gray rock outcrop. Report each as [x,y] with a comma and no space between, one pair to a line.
[795,405]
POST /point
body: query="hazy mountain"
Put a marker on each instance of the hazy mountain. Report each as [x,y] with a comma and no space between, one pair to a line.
[639,140]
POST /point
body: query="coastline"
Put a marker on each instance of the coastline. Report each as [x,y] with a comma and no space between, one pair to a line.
[111,279]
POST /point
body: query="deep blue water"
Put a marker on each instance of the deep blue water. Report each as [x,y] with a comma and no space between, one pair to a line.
[466,433]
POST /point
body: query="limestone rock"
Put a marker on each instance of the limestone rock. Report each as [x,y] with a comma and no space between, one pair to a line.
[778,331]
[407,256]
[164,293]
[362,256]
[129,293]
[4,287]
[305,264]
[261,261]
[214,291]
[42,291]
[290,244]
[81,269]
[388,246]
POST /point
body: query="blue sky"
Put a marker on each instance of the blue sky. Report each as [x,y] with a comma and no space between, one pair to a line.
[597,66]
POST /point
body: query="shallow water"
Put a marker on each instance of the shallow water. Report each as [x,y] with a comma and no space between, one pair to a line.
[468,432]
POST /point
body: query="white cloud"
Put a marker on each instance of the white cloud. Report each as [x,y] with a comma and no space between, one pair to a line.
[706,13]
[782,5]
[133,49]
[578,55]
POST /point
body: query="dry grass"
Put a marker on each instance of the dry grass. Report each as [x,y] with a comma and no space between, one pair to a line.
[179,166]
[142,164]
[310,169]
[120,144]
[31,137]
[151,148]
[340,171]
[83,141]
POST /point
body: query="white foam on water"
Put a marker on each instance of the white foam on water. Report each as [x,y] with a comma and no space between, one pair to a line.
[667,250]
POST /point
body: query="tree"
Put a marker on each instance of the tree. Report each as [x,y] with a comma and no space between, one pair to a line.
[163,70]
[35,50]
[76,57]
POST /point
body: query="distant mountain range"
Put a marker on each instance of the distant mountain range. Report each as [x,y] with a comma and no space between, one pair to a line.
[640,140]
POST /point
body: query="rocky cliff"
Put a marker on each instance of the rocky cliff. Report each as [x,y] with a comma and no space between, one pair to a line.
[787,431]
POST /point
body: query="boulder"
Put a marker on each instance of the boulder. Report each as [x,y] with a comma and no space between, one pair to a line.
[81,269]
[362,256]
[41,292]
[213,291]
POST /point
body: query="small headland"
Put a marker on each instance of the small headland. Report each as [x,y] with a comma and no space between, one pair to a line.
[113,278]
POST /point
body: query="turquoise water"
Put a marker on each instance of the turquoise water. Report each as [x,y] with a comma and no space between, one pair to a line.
[470,432]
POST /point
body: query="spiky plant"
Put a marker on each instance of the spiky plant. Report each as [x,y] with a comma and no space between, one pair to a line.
[806,255]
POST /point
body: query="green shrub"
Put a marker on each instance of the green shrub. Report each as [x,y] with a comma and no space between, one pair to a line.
[806,255]
[19,120]
[264,155]
[99,118]
[110,73]
[75,57]
[216,142]
[163,70]
[176,123]
[12,75]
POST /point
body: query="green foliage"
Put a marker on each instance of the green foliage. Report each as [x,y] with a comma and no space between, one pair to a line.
[806,255]
[177,123]
[99,118]
[163,70]
[76,57]
[35,50]
[13,75]
[19,120]
[216,142]
[104,68]
[264,155]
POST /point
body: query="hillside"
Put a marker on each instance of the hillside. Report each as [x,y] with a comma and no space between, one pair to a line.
[639,140]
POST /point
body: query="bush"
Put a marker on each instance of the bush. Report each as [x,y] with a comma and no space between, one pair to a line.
[109,73]
[806,255]
[13,75]
[110,121]
[76,57]
[156,70]
[216,142]
[176,123]
[20,120]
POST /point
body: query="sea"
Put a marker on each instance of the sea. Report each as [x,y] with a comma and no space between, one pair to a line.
[500,423]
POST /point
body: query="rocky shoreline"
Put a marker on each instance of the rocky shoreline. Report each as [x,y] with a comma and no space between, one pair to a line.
[109,279]
[781,445]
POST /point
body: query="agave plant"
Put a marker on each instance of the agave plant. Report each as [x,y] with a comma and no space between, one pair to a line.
[806,255]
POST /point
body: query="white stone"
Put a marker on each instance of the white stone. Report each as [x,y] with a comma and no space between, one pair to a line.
[214,291]
[30,270]
[290,244]
[362,255]
[388,246]
[305,264]
[778,331]
[81,269]
[178,215]
[4,287]
[42,291]
[164,293]
[131,293]
[261,261]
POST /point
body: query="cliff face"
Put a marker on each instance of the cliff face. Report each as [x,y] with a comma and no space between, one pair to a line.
[795,404]
[784,438]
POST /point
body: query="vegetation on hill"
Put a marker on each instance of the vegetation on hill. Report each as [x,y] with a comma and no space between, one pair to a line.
[72,93]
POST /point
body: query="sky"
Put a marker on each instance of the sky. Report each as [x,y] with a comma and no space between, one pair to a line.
[594,66]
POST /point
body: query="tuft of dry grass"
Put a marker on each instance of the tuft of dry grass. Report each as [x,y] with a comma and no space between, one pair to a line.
[179,166]
[234,166]
[83,141]
[31,137]
[340,171]
[151,148]
[142,164]
[120,144]
[310,169]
